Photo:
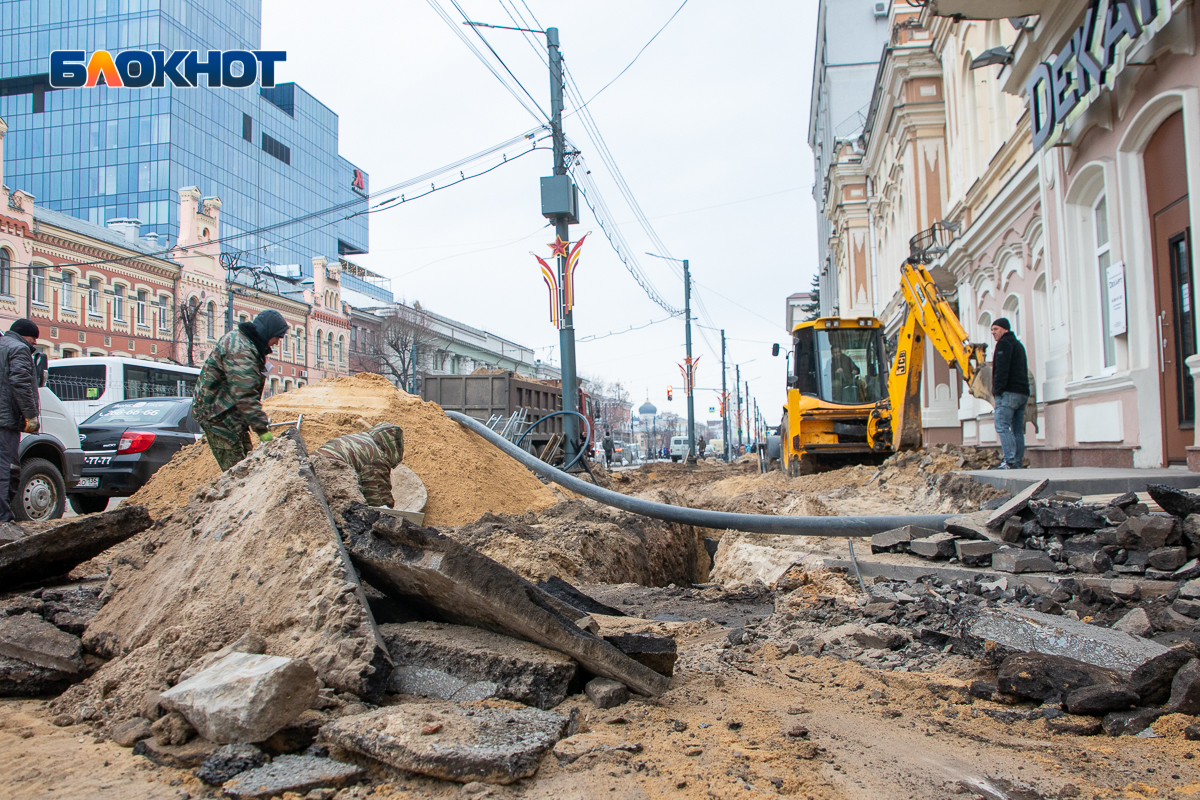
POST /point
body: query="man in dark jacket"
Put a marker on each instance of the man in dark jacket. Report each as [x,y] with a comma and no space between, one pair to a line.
[228,403]
[1010,387]
[19,406]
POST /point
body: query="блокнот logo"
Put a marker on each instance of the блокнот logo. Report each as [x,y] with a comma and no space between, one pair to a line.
[71,69]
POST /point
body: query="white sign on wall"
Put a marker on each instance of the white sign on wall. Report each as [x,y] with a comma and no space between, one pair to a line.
[1116,299]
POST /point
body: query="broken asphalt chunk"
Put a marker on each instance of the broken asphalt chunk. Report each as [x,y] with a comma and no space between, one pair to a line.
[463,744]
[1044,677]
[299,774]
[58,550]
[232,759]
[1017,504]
[1174,501]
[1010,559]
[937,546]
[659,653]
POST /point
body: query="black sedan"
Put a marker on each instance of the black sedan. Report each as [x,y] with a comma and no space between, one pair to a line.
[125,443]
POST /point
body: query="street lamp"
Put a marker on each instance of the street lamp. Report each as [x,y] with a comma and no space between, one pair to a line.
[691,368]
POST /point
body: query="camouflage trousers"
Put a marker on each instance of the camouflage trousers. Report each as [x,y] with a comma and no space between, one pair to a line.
[229,441]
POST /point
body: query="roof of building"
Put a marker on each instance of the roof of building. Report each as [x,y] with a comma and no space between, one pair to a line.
[60,220]
[648,408]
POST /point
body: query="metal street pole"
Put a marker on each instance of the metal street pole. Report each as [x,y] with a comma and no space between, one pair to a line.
[687,316]
[724,400]
[566,335]
[737,390]
[749,429]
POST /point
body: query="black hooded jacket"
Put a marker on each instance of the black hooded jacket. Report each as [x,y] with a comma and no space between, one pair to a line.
[1010,368]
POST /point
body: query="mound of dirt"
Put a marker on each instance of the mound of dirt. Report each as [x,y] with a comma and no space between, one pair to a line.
[582,541]
[465,476]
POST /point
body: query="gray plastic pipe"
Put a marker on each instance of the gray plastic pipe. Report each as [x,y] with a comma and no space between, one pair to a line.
[718,520]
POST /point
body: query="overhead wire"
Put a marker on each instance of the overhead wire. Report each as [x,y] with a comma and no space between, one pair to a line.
[492,50]
[630,329]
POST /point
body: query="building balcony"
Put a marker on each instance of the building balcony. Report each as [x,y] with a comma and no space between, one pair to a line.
[986,9]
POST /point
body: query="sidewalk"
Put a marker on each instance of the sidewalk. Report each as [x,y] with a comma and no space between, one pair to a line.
[1087,480]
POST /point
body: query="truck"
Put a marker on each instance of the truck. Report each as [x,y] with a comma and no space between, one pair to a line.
[847,403]
[51,460]
[486,396]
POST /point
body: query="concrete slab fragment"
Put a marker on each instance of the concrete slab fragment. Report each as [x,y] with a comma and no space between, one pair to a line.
[937,546]
[1010,559]
[515,669]
[1017,503]
[60,549]
[440,685]
[299,774]
[461,585]
[33,640]
[455,743]
[244,697]
[1032,632]
[408,490]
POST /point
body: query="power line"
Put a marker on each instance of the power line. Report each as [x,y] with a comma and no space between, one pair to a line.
[630,329]
[492,50]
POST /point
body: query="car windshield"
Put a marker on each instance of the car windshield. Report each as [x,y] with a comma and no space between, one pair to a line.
[841,365]
[143,412]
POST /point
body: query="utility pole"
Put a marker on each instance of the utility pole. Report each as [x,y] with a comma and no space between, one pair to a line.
[691,403]
[749,437]
[724,401]
[566,335]
[737,389]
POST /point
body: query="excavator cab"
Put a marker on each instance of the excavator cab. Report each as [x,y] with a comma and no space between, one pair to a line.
[837,375]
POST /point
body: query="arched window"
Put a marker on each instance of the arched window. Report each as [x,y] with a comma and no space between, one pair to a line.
[329,347]
[341,349]
[67,294]
[210,315]
[318,343]
[5,272]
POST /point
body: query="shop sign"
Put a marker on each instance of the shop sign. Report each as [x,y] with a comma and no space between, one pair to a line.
[1063,87]
[1116,299]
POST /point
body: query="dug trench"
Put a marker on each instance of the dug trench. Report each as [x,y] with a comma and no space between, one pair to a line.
[787,679]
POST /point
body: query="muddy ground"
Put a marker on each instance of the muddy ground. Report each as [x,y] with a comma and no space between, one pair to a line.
[745,716]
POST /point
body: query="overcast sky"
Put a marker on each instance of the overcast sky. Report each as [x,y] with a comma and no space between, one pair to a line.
[708,128]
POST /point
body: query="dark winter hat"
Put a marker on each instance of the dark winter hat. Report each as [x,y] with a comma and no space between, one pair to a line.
[1003,323]
[24,327]
[269,324]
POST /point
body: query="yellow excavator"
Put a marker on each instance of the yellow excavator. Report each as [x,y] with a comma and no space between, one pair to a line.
[844,404]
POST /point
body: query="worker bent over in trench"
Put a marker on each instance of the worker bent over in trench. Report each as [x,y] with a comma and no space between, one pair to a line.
[373,455]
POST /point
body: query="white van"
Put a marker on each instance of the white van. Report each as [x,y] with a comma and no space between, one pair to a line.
[679,448]
[89,383]
[51,459]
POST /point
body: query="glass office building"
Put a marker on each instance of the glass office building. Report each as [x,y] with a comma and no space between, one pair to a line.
[271,155]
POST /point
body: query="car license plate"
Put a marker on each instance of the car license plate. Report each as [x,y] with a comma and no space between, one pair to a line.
[88,483]
[97,461]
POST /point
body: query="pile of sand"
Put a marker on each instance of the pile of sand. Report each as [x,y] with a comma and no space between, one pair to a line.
[465,476]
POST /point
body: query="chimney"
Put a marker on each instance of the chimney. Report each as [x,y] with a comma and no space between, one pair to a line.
[126,226]
[151,239]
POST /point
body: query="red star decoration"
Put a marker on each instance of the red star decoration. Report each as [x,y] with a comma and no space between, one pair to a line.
[558,247]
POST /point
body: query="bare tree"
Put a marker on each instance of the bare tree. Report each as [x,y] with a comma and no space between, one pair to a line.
[189,313]
[404,336]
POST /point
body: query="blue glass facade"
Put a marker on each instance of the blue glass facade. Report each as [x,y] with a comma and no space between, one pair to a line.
[103,153]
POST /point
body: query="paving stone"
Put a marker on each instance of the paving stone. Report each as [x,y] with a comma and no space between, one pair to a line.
[244,697]
[970,526]
[1135,623]
[1030,631]
[472,657]
[229,760]
[1152,680]
[1185,689]
[33,640]
[937,546]
[130,732]
[451,742]
[1123,501]
[1174,501]
[1125,590]
[1095,563]
[1013,529]
[1190,590]
[1189,608]
[659,653]
[1131,723]
[292,774]
[1010,559]
[605,693]
[1147,532]
[1042,677]
[1190,530]
[1069,517]
[1018,503]
[1112,515]
[1167,558]
[1188,571]
[1096,701]
[975,554]
[183,756]
[897,539]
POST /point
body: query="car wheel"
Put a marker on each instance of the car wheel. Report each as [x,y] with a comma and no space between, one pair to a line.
[88,503]
[41,494]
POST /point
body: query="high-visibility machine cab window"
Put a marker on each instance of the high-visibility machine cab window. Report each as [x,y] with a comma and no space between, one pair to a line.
[845,366]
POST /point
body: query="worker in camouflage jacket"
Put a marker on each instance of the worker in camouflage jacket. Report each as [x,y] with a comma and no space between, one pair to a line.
[228,401]
[373,455]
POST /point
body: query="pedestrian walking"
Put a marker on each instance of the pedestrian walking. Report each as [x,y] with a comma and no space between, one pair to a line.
[1010,388]
[700,447]
[608,449]
[228,402]
[19,405]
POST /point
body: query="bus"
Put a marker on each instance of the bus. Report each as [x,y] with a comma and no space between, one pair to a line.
[89,383]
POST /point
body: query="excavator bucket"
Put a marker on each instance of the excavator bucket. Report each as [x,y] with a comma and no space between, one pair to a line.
[981,384]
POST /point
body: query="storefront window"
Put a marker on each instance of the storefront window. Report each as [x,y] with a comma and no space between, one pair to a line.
[1103,260]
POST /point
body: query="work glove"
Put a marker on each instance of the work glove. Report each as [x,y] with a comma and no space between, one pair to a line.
[32,425]
[266,437]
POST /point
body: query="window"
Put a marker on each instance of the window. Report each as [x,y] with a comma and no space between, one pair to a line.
[94,296]
[37,285]
[1103,255]
[341,349]
[164,312]
[285,345]
[274,147]
[118,302]
[67,294]
[157,382]
[5,272]
[247,128]
[319,344]
[210,318]
[141,307]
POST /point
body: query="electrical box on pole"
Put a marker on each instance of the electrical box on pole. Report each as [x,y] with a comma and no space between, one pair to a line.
[560,198]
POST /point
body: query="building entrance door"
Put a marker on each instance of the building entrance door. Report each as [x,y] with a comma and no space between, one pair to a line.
[1170,220]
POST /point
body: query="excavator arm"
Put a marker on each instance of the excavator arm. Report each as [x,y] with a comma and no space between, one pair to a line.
[927,315]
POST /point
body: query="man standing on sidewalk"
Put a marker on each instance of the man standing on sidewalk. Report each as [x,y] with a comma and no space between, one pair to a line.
[19,405]
[1010,387]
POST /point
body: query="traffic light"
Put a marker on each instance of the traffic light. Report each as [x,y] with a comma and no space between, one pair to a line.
[669,391]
